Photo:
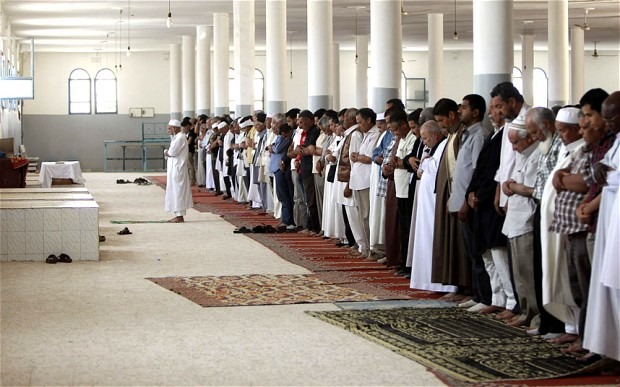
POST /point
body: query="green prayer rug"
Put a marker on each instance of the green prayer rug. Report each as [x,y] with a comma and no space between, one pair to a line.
[471,347]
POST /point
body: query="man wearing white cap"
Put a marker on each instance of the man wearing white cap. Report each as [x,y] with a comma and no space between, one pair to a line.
[178,191]
[519,222]
[556,289]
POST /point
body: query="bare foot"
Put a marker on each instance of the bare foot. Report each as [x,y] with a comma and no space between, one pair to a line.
[575,346]
[565,338]
[177,219]
[492,309]
[505,315]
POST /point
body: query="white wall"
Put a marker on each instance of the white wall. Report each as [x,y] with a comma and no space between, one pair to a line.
[50,133]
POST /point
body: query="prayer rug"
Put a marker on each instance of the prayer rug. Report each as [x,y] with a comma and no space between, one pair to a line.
[470,347]
[270,289]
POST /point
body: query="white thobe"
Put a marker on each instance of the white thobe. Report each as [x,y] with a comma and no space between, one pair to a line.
[425,219]
[602,331]
[178,189]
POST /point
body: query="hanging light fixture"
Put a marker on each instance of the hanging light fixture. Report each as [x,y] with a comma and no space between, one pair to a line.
[128,28]
[357,59]
[456,34]
[290,37]
[169,19]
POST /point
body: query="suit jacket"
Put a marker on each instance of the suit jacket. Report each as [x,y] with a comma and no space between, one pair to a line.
[485,221]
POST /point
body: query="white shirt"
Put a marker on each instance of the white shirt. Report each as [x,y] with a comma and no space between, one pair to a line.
[360,172]
[401,175]
[520,215]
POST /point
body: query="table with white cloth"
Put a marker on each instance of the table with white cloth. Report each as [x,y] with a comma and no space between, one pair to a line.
[60,170]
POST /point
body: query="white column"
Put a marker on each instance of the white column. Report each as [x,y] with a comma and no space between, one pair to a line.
[320,49]
[557,41]
[221,42]
[435,58]
[493,44]
[189,75]
[275,78]
[527,61]
[203,70]
[576,65]
[336,74]
[361,72]
[385,52]
[176,99]
[244,22]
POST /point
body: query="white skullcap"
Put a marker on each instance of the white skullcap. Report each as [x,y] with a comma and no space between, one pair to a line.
[380,116]
[246,123]
[221,124]
[568,115]
[213,126]
[518,124]
[174,123]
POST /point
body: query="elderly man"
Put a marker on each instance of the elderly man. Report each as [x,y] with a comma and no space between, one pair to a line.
[557,298]
[178,190]
[519,222]
[422,257]
[540,123]
[570,184]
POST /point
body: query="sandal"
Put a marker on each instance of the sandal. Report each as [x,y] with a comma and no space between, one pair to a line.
[51,259]
[242,230]
[124,231]
[64,258]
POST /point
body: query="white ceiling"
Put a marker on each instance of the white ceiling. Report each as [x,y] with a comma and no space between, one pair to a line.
[90,26]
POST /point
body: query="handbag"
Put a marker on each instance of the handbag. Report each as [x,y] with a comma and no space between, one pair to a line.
[331,174]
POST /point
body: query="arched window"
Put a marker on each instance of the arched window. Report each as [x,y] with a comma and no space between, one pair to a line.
[105,92]
[517,79]
[541,87]
[259,90]
[79,92]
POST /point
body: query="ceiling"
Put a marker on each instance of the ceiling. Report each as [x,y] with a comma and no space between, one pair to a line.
[92,26]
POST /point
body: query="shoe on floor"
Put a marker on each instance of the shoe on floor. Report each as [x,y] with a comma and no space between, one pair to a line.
[477,308]
[467,304]
[51,259]
[124,231]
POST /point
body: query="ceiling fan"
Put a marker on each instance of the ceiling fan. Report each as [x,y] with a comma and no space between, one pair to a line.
[595,53]
[585,26]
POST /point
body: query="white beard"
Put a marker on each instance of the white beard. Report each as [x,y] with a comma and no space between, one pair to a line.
[544,146]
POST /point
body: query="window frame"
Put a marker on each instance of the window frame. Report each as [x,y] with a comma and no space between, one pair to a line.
[113,79]
[69,87]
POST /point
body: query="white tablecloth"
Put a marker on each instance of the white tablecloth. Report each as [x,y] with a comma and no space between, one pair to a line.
[60,170]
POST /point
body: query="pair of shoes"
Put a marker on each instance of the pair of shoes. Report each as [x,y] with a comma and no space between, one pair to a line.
[63,258]
[467,304]
[121,181]
[242,230]
[477,308]
[270,229]
[259,229]
[124,231]
[101,238]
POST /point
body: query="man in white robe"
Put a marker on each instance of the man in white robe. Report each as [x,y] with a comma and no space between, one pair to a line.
[422,262]
[178,190]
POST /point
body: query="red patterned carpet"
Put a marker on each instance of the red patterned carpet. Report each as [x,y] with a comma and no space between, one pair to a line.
[316,254]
